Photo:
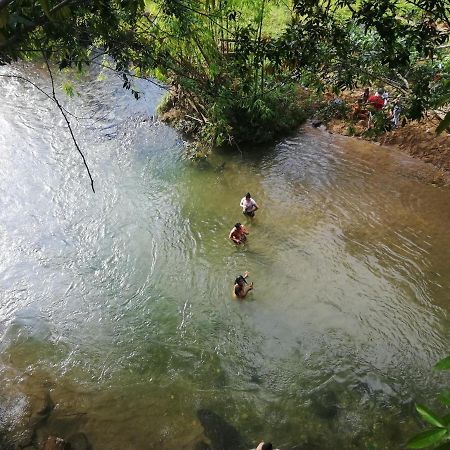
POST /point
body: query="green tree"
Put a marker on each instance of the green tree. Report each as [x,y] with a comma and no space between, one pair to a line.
[233,76]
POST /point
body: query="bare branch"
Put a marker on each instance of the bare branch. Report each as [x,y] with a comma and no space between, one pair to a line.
[104,66]
[20,77]
[55,99]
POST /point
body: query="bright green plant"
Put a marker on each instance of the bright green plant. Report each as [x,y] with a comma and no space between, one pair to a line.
[438,436]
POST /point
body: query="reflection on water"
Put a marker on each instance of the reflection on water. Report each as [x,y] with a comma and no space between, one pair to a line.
[116,306]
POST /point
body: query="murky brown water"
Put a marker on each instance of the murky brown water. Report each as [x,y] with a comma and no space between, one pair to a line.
[118,304]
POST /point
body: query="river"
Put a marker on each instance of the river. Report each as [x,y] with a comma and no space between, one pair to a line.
[118,304]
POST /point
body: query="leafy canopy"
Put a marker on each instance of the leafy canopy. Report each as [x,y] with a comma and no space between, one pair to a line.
[231,63]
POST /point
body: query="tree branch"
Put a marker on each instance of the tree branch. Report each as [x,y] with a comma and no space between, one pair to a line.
[30,27]
[55,99]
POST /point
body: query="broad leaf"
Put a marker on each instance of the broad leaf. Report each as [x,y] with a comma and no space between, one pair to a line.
[444,397]
[445,123]
[45,7]
[429,416]
[427,438]
[443,364]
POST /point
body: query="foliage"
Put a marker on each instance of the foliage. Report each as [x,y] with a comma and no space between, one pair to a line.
[335,108]
[378,124]
[255,119]
[399,45]
[444,100]
[439,434]
[232,63]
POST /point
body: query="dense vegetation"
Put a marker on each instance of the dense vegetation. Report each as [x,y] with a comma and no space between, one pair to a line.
[238,67]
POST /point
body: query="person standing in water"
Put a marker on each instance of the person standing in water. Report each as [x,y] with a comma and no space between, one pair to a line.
[238,234]
[248,205]
[241,288]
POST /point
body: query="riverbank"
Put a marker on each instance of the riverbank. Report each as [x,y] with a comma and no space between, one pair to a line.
[417,139]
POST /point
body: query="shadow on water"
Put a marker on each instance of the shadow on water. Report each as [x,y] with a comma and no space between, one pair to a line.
[325,404]
[250,154]
[221,434]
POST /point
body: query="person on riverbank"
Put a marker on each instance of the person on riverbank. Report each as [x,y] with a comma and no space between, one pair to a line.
[265,446]
[238,234]
[358,111]
[377,100]
[241,287]
[248,205]
[365,96]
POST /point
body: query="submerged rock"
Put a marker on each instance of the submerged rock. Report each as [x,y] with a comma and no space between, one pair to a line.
[79,441]
[54,443]
[42,408]
[220,168]
[5,444]
[202,446]
[222,435]
[325,404]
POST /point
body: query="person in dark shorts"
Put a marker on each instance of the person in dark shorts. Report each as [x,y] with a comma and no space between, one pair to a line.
[248,205]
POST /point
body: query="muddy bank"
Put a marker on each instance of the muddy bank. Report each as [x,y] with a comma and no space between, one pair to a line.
[417,139]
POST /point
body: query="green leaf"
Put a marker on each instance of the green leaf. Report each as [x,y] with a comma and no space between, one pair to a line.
[429,416]
[63,13]
[444,397]
[68,88]
[443,364]
[45,7]
[427,438]
[445,123]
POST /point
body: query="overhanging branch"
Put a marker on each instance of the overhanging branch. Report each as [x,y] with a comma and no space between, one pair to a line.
[55,99]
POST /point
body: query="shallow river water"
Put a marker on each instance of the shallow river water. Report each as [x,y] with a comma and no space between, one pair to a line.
[118,304]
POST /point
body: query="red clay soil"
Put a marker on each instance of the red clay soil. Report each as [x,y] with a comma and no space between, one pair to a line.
[420,140]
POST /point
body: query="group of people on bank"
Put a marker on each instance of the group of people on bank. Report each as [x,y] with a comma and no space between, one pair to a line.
[369,104]
[238,235]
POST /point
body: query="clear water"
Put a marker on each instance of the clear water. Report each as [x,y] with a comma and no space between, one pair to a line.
[119,303]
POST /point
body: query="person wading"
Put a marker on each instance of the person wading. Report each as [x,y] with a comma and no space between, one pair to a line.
[248,205]
[241,287]
[238,234]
